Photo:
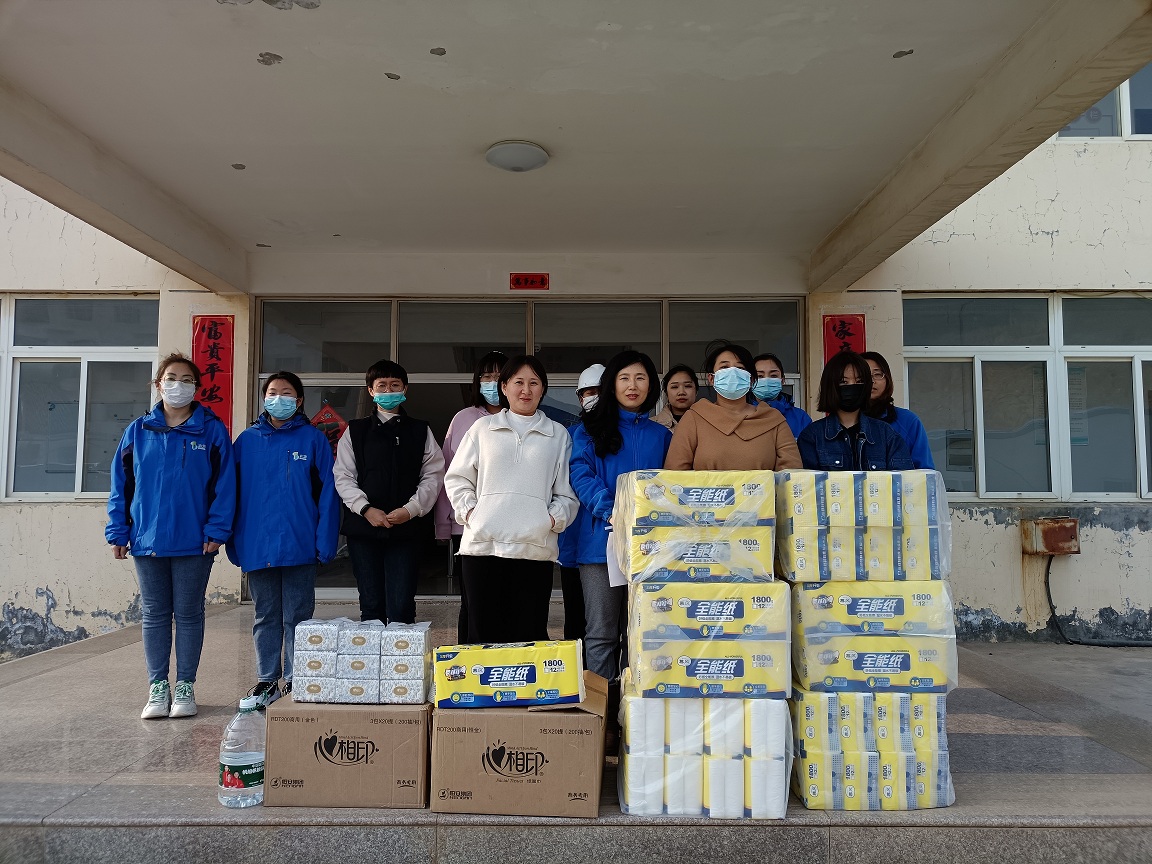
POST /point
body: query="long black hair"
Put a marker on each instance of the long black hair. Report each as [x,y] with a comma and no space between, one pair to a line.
[491,362]
[603,422]
[829,399]
[883,403]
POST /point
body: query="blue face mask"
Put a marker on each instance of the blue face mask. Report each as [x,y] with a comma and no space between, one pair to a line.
[767,389]
[490,390]
[280,407]
[388,401]
[732,382]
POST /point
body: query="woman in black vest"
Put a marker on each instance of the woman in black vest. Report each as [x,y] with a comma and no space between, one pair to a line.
[389,470]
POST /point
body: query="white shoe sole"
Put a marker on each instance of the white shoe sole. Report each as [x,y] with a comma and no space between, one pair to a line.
[155,713]
[183,710]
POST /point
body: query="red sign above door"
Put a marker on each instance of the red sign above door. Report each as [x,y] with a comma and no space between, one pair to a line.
[528,281]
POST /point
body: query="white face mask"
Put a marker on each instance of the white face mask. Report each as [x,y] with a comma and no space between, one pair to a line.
[177,394]
[589,402]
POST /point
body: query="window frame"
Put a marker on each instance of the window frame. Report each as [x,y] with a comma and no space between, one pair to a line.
[1055,356]
[12,356]
[1124,97]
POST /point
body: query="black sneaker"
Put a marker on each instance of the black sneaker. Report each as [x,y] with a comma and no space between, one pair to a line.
[266,691]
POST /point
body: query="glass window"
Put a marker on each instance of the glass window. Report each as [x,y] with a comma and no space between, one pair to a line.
[976,321]
[1101,427]
[325,337]
[47,410]
[451,337]
[117,395]
[1146,373]
[941,395]
[1140,100]
[1107,321]
[1016,427]
[770,326]
[572,336]
[437,404]
[82,321]
[1102,120]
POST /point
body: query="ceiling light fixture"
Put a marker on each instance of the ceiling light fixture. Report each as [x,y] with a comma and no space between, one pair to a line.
[516,156]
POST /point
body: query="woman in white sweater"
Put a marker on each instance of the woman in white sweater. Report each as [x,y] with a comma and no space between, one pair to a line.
[509,488]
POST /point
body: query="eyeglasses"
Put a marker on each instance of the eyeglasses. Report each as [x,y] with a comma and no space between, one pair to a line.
[187,379]
[878,375]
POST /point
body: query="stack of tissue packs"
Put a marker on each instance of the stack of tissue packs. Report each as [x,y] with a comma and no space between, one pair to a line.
[862,525]
[721,758]
[705,725]
[695,526]
[360,662]
[509,674]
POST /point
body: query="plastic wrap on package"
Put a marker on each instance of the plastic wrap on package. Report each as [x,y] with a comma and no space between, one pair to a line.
[314,690]
[734,669]
[874,608]
[844,722]
[316,634]
[360,637]
[358,666]
[909,664]
[313,664]
[714,610]
[356,691]
[405,640]
[522,673]
[404,667]
[402,691]
[873,781]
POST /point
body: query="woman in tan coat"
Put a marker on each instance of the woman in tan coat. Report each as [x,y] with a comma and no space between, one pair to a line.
[731,434]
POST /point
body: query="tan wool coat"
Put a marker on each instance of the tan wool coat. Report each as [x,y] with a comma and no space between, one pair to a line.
[711,437]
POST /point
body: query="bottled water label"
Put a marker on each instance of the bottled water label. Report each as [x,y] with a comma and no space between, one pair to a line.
[241,770]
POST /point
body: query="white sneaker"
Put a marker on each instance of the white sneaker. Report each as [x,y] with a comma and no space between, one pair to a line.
[183,700]
[266,691]
[159,700]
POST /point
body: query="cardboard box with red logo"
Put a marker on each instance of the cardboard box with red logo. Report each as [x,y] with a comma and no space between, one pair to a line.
[346,755]
[544,760]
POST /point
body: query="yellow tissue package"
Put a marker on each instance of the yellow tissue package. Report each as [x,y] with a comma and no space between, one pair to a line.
[815,720]
[700,554]
[847,663]
[837,781]
[519,673]
[896,781]
[736,669]
[891,722]
[820,554]
[822,499]
[670,499]
[710,610]
[928,723]
[932,780]
[873,607]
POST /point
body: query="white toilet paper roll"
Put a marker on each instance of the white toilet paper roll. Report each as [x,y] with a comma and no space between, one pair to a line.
[724,727]
[643,726]
[766,788]
[643,787]
[767,728]
[725,781]
[684,729]
[683,785]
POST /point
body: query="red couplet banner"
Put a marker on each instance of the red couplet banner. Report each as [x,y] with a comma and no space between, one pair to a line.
[843,333]
[214,351]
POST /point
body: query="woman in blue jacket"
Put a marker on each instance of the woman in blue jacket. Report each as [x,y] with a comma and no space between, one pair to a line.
[848,439]
[171,507]
[883,407]
[287,521]
[769,388]
[615,437]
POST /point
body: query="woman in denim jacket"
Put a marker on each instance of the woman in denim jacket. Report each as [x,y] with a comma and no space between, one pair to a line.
[848,439]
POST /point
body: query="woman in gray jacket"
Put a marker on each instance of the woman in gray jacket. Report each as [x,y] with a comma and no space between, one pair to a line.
[509,488]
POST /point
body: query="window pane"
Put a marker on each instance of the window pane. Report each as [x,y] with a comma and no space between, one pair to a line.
[976,321]
[46,417]
[1102,427]
[117,395]
[1016,427]
[86,322]
[572,336]
[451,337]
[941,395]
[1140,96]
[760,327]
[1146,372]
[1107,321]
[1102,120]
[325,337]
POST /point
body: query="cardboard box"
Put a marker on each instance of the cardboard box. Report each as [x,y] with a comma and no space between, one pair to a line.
[346,755]
[544,760]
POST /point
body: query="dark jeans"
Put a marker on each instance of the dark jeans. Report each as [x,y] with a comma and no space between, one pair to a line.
[458,581]
[283,597]
[507,598]
[172,589]
[386,576]
[575,623]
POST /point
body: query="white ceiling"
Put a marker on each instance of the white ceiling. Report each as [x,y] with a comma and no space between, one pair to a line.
[726,125]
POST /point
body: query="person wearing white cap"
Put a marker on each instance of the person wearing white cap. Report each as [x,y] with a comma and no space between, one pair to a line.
[588,387]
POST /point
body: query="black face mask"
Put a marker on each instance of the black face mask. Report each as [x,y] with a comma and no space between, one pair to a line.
[851,397]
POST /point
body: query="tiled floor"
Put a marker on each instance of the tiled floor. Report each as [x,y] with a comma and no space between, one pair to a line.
[1047,737]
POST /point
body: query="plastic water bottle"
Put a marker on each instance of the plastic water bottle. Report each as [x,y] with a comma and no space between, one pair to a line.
[242,756]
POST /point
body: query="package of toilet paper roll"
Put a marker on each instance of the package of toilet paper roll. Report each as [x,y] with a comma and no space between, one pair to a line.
[684,499]
[834,722]
[521,673]
[876,608]
[873,554]
[721,758]
[733,669]
[860,498]
[904,663]
[712,610]
[699,553]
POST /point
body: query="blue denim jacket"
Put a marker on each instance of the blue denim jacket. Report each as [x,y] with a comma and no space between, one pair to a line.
[825,446]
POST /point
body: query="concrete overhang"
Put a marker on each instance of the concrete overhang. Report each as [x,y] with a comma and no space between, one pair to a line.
[785,130]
